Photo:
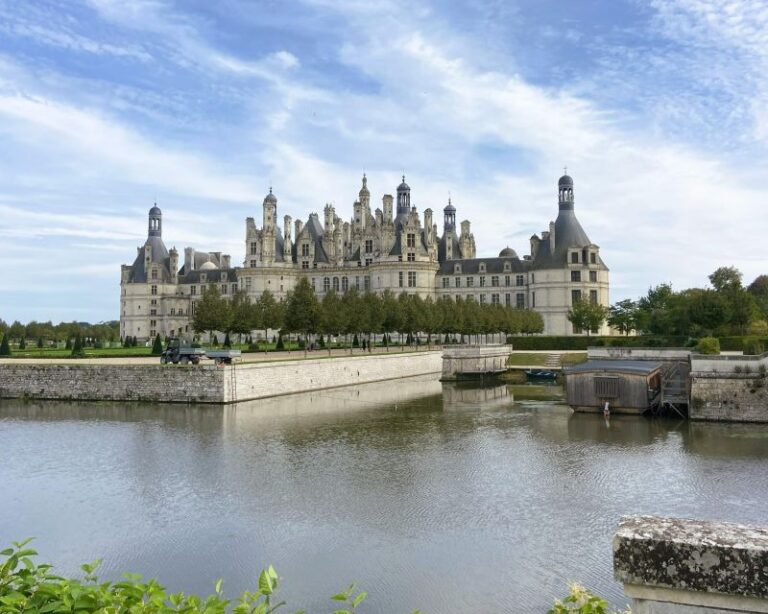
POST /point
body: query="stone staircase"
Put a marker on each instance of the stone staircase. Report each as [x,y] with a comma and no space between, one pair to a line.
[553,361]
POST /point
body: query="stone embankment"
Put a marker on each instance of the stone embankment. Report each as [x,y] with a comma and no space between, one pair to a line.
[207,383]
[670,565]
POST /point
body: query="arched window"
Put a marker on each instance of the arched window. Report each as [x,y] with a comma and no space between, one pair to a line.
[326,284]
[335,284]
[344,284]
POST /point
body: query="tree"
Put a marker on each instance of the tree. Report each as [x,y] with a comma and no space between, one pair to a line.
[157,346]
[5,347]
[759,290]
[622,316]
[270,312]
[77,348]
[302,309]
[244,316]
[652,314]
[586,315]
[726,278]
[212,312]
[23,344]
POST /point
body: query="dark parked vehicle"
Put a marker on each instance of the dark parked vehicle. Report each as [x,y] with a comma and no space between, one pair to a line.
[176,353]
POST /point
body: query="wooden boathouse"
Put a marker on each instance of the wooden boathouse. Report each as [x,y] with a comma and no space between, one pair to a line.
[629,386]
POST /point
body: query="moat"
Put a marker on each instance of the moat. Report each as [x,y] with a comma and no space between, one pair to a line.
[433,496]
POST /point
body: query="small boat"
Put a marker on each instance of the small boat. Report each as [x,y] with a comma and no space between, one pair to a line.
[540,374]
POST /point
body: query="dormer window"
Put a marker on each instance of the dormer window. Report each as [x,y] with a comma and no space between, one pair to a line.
[574,257]
[223,277]
[507,267]
[457,268]
[482,267]
[593,258]
[203,278]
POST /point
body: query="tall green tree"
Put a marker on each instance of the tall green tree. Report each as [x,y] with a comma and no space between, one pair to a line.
[302,309]
[623,316]
[212,312]
[270,313]
[242,314]
[587,316]
[157,346]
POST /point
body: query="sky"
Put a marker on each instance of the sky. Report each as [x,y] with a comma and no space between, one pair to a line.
[658,108]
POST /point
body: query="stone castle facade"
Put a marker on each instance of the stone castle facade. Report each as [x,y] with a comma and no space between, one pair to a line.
[391,248]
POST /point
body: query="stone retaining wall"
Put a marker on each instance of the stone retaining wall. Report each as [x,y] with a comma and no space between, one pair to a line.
[734,397]
[201,384]
[207,383]
[674,566]
[260,380]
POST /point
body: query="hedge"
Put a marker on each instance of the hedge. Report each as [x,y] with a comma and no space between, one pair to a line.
[535,342]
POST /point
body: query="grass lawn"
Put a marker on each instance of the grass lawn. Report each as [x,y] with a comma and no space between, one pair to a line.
[89,352]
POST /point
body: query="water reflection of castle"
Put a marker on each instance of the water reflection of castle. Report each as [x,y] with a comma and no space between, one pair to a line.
[456,396]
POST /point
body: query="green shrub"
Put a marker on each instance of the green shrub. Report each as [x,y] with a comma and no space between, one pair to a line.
[23,344]
[753,346]
[227,342]
[708,345]
[26,586]
[280,345]
[77,348]
[157,346]
[5,347]
[580,601]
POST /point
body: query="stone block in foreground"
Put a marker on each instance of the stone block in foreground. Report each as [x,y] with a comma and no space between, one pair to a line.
[689,566]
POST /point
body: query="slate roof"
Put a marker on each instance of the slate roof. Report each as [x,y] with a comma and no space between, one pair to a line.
[213,276]
[159,256]
[441,247]
[615,366]
[492,266]
[568,233]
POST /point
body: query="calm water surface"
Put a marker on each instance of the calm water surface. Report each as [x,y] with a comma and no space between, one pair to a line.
[447,499]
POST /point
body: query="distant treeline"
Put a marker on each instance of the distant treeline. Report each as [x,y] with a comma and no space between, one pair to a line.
[49,333]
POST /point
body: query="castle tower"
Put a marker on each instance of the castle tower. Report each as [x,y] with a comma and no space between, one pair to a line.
[449,218]
[270,211]
[403,198]
[565,191]
[365,195]
[155,222]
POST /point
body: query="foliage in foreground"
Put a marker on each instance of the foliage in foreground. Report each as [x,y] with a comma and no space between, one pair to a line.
[28,587]
[581,601]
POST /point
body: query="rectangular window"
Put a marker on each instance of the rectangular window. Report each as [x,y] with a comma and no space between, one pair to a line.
[411,279]
[495,299]
[367,283]
[506,280]
[234,288]
[305,264]
[223,288]
[575,275]
[482,281]
[153,290]
[153,312]
[575,296]
[445,282]
[369,246]
[193,290]
[470,282]
[314,288]
[411,257]
[593,297]
[326,284]
[411,238]
[520,300]
[575,257]
[368,261]
[154,273]
[533,299]
[173,311]
[305,250]
[519,280]
[247,284]
[357,282]
[508,300]
[254,248]
[344,284]
[495,281]
[253,264]
[593,258]
[457,281]
[607,387]
[400,279]
[482,299]
[153,302]
[593,276]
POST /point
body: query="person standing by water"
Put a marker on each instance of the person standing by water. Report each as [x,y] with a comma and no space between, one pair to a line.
[607,409]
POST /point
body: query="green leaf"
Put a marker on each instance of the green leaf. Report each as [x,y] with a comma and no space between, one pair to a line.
[265,583]
[218,585]
[358,600]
